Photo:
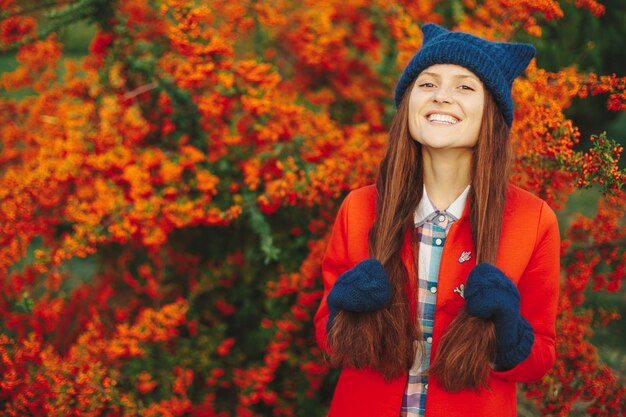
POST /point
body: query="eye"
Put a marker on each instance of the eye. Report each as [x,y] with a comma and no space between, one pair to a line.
[466,87]
[426,84]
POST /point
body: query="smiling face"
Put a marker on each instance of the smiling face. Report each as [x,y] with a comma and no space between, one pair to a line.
[446,107]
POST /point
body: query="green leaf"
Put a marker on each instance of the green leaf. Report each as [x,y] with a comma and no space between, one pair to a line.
[261,227]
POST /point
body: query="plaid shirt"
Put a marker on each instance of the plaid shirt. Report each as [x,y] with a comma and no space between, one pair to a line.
[431,227]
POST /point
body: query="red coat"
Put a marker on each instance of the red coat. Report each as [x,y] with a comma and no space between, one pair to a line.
[528,254]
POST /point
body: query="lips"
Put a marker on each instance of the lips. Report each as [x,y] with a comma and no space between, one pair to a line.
[443,118]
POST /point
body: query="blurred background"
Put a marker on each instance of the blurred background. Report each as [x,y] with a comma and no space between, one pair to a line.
[170,171]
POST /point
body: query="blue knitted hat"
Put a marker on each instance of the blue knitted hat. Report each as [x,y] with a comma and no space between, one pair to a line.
[497,64]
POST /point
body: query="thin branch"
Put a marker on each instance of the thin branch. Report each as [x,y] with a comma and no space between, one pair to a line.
[141,89]
[57,22]
[40,7]
[619,243]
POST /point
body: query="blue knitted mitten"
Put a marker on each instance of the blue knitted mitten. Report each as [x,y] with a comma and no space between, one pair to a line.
[362,288]
[489,294]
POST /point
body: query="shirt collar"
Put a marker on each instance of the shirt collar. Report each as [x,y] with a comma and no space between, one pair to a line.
[425,207]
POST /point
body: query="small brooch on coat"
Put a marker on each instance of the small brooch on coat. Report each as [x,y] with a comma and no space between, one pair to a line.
[461,290]
[465,256]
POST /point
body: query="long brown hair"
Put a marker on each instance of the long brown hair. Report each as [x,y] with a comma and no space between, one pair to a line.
[387,340]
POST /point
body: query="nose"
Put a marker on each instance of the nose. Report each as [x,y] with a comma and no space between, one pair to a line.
[441,95]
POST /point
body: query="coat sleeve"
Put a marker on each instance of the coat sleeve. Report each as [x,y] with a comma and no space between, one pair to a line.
[335,262]
[539,291]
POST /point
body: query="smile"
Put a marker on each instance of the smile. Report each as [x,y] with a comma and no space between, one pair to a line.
[442,118]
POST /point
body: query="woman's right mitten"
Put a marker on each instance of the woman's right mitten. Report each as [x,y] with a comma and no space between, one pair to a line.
[363,288]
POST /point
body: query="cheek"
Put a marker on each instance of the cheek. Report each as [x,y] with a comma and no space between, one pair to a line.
[477,114]
[414,127]
[475,130]
[416,105]
[479,107]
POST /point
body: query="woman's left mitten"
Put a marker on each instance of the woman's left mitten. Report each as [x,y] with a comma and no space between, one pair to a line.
[490,294]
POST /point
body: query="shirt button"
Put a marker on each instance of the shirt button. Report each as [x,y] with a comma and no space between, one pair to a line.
[433,290]
[438,242]
[442,218]
[429,339]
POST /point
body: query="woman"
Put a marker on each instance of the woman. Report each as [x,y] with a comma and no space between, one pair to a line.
[441,280]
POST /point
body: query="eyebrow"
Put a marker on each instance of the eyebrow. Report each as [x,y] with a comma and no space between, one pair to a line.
[436,75]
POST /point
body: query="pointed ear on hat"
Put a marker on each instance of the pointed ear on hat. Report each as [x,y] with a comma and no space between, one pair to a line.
[431,30]
[520,55]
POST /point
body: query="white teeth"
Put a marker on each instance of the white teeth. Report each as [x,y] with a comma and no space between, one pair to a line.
[442,118]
